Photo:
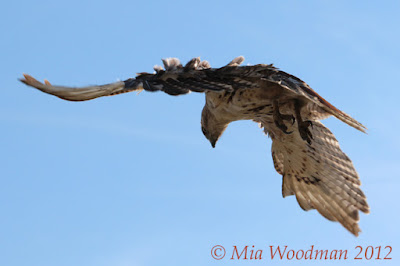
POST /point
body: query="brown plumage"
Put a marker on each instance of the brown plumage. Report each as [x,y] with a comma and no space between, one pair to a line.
[304,152]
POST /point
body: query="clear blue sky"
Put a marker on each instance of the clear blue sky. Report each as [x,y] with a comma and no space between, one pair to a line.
[130,179]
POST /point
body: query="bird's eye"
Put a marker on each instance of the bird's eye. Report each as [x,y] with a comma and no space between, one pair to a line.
[204,131]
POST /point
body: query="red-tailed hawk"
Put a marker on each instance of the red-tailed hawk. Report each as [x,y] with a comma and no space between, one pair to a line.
[304,152]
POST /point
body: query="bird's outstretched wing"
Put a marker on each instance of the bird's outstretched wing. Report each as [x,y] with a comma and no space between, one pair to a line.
[175,79]
[320,175]
[198,76]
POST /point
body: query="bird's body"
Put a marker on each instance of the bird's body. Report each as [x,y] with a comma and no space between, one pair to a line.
[304,152]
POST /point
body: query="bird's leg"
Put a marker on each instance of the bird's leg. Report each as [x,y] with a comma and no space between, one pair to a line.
[304,131]
[278,118]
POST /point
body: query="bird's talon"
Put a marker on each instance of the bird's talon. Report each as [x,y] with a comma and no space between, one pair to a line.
[279,119]
[304,131]
[289,118]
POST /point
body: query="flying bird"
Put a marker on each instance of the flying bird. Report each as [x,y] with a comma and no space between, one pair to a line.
[304,151]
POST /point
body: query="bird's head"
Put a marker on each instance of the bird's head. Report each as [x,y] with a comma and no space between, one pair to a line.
[211,126]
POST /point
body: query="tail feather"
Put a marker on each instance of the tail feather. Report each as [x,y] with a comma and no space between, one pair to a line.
[350,121]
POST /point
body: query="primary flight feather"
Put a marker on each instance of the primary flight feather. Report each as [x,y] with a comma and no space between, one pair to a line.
[304,151]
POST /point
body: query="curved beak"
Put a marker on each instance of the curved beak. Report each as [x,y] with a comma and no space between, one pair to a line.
[213,142]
